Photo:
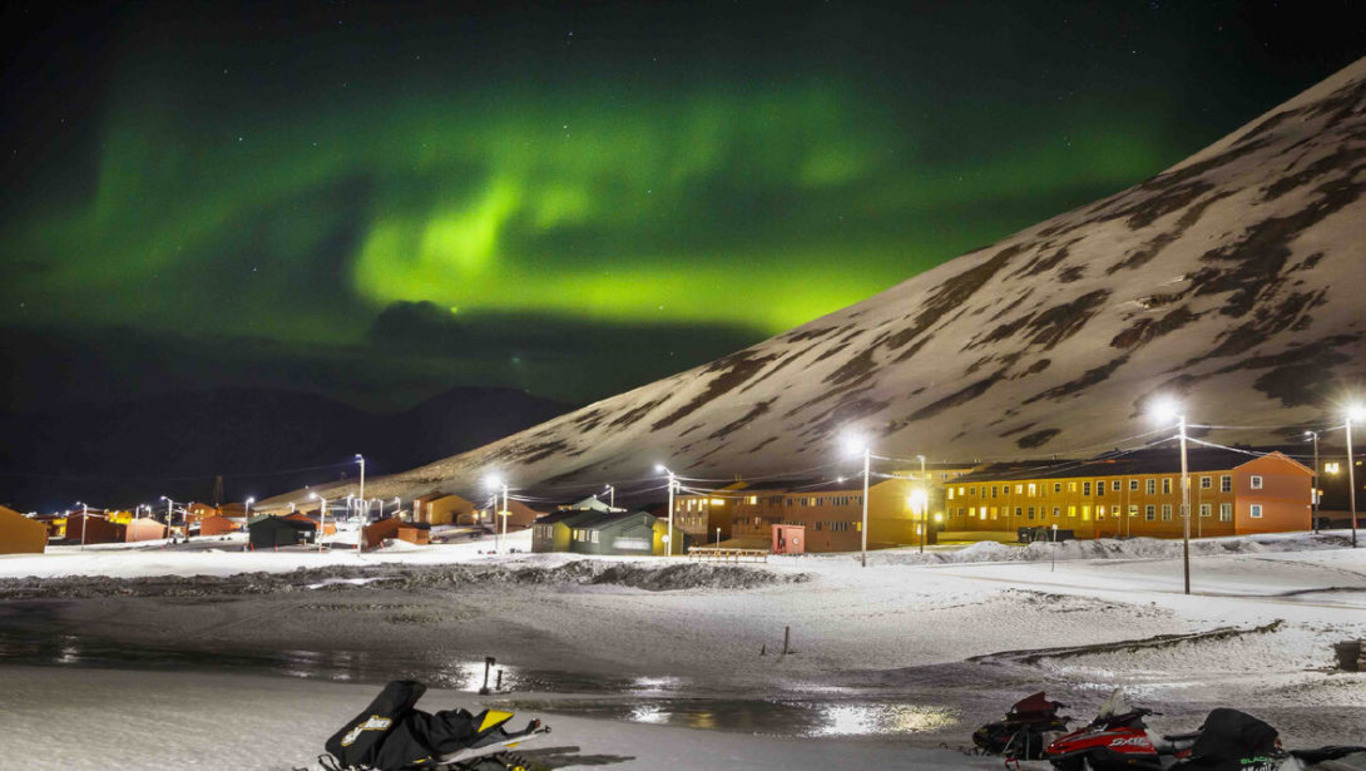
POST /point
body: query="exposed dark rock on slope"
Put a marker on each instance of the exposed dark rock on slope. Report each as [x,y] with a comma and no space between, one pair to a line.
[1234,279]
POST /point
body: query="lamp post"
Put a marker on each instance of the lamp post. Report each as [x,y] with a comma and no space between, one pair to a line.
[718,537]
[85,521]
[857,444]
[499,485]
[322,519]
[1168,410]
[673,482]
[247,510]
[1355,413]
[361,495]
[169,512]
[925,510]
[611,497]
[1314,496]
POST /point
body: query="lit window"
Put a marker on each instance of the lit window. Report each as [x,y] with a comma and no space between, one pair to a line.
[1256,512]
[1085,513]
[1071,511]
[950,493]
[1256,485]
[1331,468]
[1071,487]
[1019,489]
[1033,489]
[1133,509]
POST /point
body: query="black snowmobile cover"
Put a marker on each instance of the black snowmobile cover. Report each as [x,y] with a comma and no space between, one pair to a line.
[390,734]
[1230,737]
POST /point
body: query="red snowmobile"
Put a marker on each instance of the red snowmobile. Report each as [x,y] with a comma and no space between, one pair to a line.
[1119,739]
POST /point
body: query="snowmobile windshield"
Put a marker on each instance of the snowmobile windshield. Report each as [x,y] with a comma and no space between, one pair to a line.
[1114,706]
[1228,733]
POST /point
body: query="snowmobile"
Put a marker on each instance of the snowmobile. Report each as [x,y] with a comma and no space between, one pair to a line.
[1230,740]
[391,735]
[1118,739]
[1030,725]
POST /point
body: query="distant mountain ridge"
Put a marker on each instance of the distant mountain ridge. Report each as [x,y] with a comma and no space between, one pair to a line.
[176,444]
[1233,280]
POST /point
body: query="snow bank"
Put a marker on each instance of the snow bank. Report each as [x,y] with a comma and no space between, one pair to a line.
[653,575]
[1110,548]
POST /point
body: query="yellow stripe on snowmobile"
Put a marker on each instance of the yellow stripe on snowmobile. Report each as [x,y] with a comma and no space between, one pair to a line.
[492,718]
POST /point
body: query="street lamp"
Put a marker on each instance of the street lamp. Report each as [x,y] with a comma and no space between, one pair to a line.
[169,512]
[853,445]
[322,519]
[1314,498]
[85,521]
[247,510]
[611,497]
[361,495]
[495,483]
[1167,409]
[1355,414]
[673,483]
[924,503]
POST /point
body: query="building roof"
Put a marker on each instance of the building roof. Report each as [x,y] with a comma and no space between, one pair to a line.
[598,520]
[567,516]
[1164,459]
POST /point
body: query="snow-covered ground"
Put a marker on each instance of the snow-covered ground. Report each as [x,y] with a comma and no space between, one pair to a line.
[642,660]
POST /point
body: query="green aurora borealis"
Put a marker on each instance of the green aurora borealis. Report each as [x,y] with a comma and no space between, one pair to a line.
[648,179]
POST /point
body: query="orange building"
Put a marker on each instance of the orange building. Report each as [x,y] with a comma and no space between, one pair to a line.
[21,535]
[831,513]
[1137,493]
[443,509]
[142,530]
[216,525]
[92,528]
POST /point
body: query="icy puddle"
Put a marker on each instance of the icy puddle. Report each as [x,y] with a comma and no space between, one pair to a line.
[27,648]
[776,717]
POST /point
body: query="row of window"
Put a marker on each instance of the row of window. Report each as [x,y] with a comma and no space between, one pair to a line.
[1149,487]
[1149,512]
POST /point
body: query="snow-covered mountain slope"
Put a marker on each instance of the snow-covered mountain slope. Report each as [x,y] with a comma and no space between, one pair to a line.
[1234,280]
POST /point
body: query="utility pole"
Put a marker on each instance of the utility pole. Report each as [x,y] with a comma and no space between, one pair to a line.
[1314,497]
[669,539]
[361,460]
[85,521]
[1353,414]
[1185,507]
[322,520]
[611,497]
[504,514]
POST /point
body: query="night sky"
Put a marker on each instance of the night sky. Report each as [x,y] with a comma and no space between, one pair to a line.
[380,201]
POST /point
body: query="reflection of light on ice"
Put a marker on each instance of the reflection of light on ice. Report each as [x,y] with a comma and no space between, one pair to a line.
[856,719]
[655,683]
[649,713]
[70,655]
